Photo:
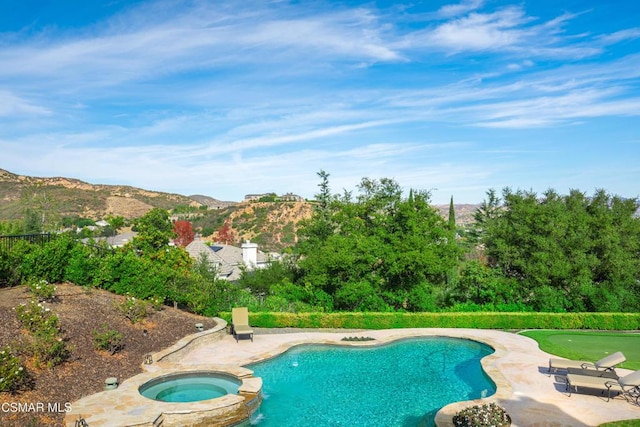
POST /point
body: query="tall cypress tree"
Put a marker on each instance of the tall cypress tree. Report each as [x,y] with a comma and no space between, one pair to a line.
[452,216]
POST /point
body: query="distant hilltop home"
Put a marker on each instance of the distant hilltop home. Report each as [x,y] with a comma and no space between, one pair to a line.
[289,197]
[228,259]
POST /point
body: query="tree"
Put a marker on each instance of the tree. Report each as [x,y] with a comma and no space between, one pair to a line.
[184,233]
[371,252]
[318,229]
[155,230]
[225,233]
[488,210]
[568,253]
[115,222]
[452,216]
[32,222]
[38,202]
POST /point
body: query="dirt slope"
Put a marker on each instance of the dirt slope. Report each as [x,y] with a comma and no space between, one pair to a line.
[81,312]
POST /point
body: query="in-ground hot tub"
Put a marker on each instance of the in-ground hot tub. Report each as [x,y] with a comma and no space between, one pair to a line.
[190,386]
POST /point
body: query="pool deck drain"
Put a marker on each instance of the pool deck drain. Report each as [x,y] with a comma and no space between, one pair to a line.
[518,367]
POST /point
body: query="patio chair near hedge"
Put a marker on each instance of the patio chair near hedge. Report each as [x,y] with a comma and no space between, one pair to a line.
[240,322]
[628,385]
[605,364]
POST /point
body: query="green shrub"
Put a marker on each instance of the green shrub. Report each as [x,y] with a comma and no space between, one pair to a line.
[108,339]
[83,267]
[13,376]
[133,308]
[49,349]
[156,302]
[46,345]
[50,261]
[35,317]
[11,269]
[531,320]
[41,289]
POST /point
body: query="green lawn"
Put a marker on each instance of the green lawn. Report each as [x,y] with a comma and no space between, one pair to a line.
[629,423]
[583,345]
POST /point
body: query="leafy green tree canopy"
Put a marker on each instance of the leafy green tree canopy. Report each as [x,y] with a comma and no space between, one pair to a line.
[369,252]
[569,253]
[155,230]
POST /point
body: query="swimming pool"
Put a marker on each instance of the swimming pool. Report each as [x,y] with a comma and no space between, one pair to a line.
[403,383]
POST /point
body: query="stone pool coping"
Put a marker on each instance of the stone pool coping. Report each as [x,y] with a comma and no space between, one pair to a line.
[125,406]
[518,367]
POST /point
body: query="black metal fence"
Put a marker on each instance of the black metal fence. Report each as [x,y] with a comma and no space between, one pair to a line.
[7,242]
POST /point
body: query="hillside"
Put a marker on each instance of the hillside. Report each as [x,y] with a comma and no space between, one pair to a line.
[82,311]
[210,202]
[71,197]
[273,225]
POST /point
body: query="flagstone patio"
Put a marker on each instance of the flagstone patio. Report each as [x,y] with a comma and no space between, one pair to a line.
[531,397]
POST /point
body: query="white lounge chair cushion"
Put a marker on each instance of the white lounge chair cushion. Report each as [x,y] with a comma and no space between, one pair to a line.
[605,363]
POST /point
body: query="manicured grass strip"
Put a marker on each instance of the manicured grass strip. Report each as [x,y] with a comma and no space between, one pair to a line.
[579,345]
[626,423]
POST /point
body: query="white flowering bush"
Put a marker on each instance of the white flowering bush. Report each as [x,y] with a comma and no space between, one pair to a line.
[487,415]
[36,317]
[42,290]
[133,309]
[45,343]
[156,302]
[13,376]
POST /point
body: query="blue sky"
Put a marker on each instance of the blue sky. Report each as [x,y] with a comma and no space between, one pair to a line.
[226,98]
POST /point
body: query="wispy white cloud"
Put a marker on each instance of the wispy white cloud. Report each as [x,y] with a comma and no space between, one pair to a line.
[224,96]
[452,10]
[619,36]
[508,30]
[204,37]
[481,31]
[12,105]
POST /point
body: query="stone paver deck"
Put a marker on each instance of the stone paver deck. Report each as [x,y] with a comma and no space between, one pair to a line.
[518,367]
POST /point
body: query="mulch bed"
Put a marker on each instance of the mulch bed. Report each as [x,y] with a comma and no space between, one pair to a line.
[81,311]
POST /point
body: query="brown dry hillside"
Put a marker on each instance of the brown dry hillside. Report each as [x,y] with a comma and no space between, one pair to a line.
[275,225]
[81,311]
[71,197]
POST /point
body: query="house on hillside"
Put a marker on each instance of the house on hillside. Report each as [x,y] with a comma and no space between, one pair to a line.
[253,197]
[228,259]
[290,197]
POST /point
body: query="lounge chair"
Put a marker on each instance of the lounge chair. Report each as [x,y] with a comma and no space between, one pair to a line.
[628,386]
[240,322]
[606,363]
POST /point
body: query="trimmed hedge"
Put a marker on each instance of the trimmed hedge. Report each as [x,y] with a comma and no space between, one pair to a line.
[476,320]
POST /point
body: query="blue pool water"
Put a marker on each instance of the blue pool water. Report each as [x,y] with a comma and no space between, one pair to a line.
[402,384]
[190,387]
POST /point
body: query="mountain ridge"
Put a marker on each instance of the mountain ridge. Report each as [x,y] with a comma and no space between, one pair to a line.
[73,197]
